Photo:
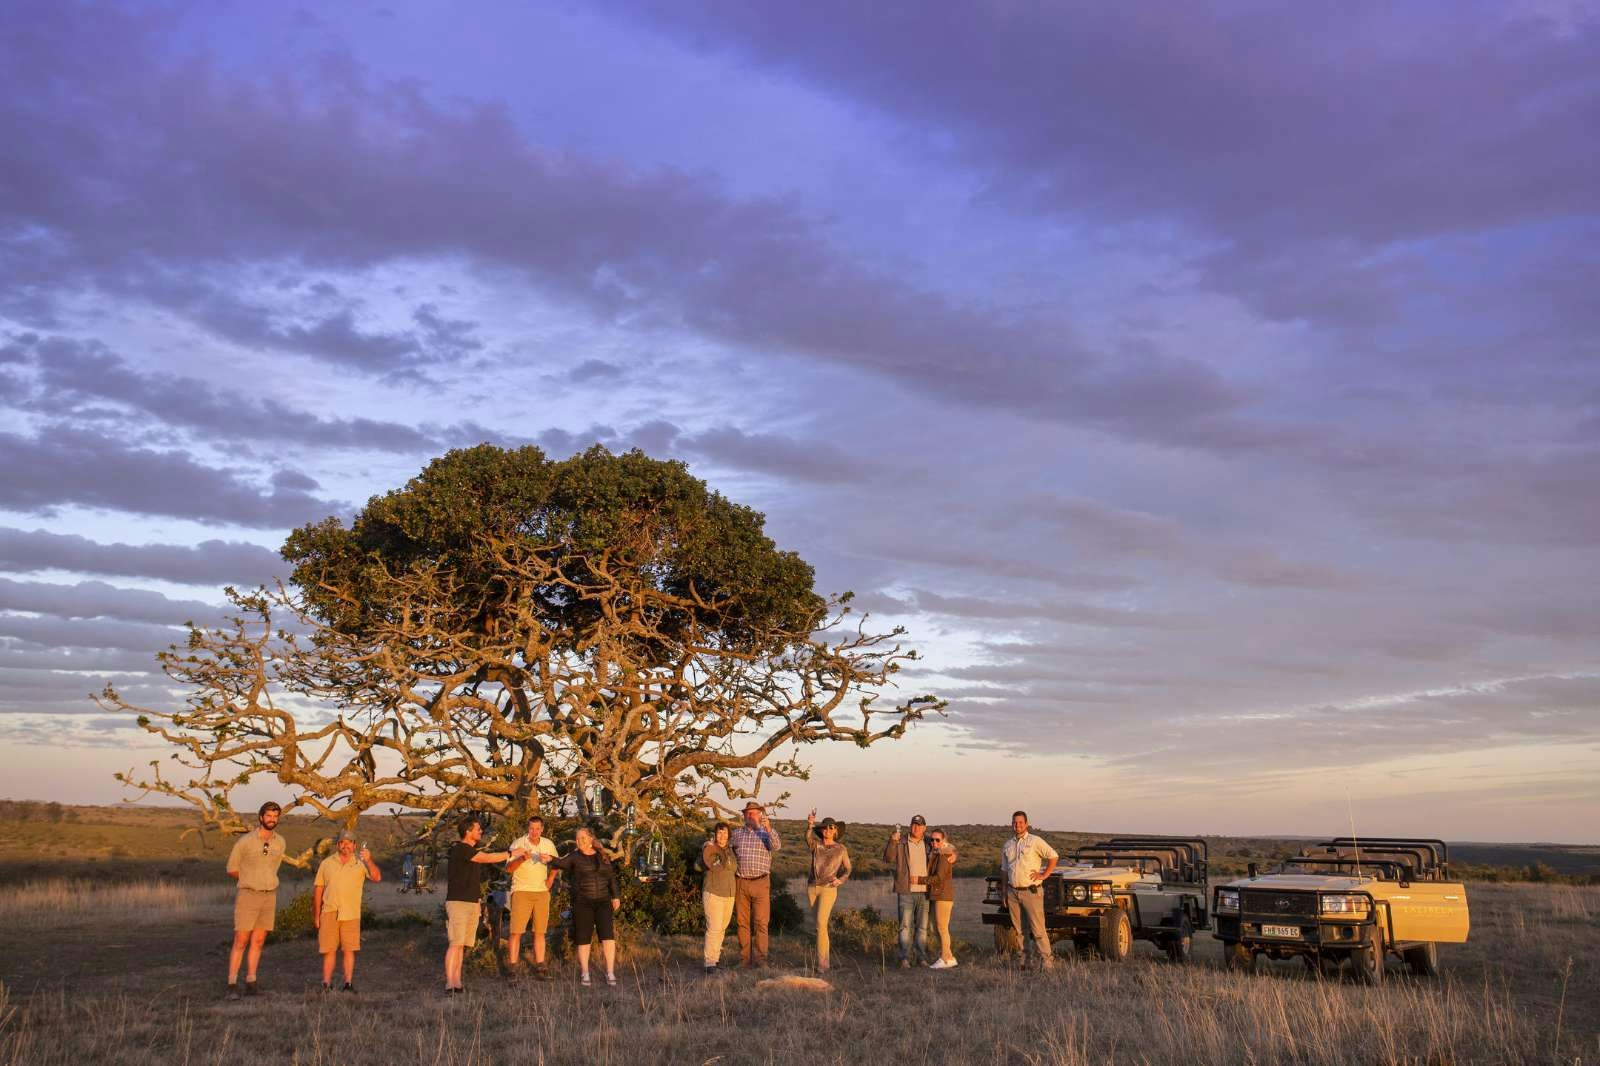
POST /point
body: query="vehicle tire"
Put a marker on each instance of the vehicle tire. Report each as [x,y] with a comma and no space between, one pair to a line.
[1235,956]
[1366,962]
[1116,935]
[1006,940]
[1180,946]
[1423,959]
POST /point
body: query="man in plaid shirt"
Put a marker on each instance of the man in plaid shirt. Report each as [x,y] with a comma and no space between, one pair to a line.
[753,844]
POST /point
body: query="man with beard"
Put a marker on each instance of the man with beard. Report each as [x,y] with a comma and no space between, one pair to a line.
[254,863]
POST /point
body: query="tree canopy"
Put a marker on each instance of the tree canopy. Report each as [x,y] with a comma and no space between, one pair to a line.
[507,632]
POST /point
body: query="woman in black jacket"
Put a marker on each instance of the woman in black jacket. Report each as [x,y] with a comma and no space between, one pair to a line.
[595,899]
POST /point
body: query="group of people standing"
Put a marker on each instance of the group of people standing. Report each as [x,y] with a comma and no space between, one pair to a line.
[535,866]
[532,861]
[737,863]
[738,886]
[924,882]
[335,901]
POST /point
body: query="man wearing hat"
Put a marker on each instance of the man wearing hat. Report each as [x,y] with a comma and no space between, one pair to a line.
[336,907]
[254,863]
[911,856]
[753,844]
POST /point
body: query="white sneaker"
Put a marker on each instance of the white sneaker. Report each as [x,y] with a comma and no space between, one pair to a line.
[952,964]
[939,965]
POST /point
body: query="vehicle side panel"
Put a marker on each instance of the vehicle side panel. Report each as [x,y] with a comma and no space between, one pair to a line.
[1427,910]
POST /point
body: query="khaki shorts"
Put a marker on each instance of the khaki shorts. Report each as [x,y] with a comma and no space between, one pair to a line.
[526,905]
[461,923]
[254,910]
[332,934]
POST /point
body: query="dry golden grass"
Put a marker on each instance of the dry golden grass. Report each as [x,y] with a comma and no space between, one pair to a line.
[59,902]
[1525,989]
[1568,902]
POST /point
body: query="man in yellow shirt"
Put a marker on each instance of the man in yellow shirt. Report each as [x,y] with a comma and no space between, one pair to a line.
[336,907]
[532,883]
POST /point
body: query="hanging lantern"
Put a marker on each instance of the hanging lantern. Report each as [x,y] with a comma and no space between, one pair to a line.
[651,860]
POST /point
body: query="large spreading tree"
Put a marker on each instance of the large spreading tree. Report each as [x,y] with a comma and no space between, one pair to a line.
[507,633]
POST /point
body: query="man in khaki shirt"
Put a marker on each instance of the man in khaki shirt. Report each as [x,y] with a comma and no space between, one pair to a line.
[336,907]
[254,863]
[1026,861]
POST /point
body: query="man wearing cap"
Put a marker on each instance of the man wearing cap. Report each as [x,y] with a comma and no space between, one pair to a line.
[1025,861]
[253,863]
[753,844]
[911,856]
[532,882]
[336,907]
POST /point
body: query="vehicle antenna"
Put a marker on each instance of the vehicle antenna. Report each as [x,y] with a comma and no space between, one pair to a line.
[1351,807]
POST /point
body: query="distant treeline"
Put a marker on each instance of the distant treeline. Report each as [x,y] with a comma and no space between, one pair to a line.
[36,811]
[139,834]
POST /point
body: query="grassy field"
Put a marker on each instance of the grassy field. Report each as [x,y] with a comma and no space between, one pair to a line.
[132,973]
[136,843]
[114,934]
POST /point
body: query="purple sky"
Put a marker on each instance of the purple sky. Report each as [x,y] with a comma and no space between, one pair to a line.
[1214,390]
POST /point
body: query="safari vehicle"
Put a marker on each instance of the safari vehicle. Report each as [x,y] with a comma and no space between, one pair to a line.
[1346,901]
[1107,895]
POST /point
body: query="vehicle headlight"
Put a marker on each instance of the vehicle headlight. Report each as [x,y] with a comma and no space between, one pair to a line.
[1099,892]
[1227,900]
[1345,906]
[1080,893]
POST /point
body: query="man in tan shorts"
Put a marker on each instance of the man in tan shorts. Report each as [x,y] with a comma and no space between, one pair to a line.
[254,863]
[463,897]
[532,885]
[336,907]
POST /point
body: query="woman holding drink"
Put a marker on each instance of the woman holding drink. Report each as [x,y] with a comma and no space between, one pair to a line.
[716,898]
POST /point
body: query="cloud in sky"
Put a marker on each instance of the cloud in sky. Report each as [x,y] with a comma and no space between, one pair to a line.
[1197,383]
[212,562]
[80,466]
[1274,132]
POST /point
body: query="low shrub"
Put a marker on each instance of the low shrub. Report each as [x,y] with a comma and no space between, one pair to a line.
[294,918]
[866,931]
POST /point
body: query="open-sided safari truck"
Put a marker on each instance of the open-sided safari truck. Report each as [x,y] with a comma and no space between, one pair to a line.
[1107,895]
[1347,901]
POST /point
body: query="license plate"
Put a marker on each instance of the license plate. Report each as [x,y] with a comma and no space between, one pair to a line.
[1281,930]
